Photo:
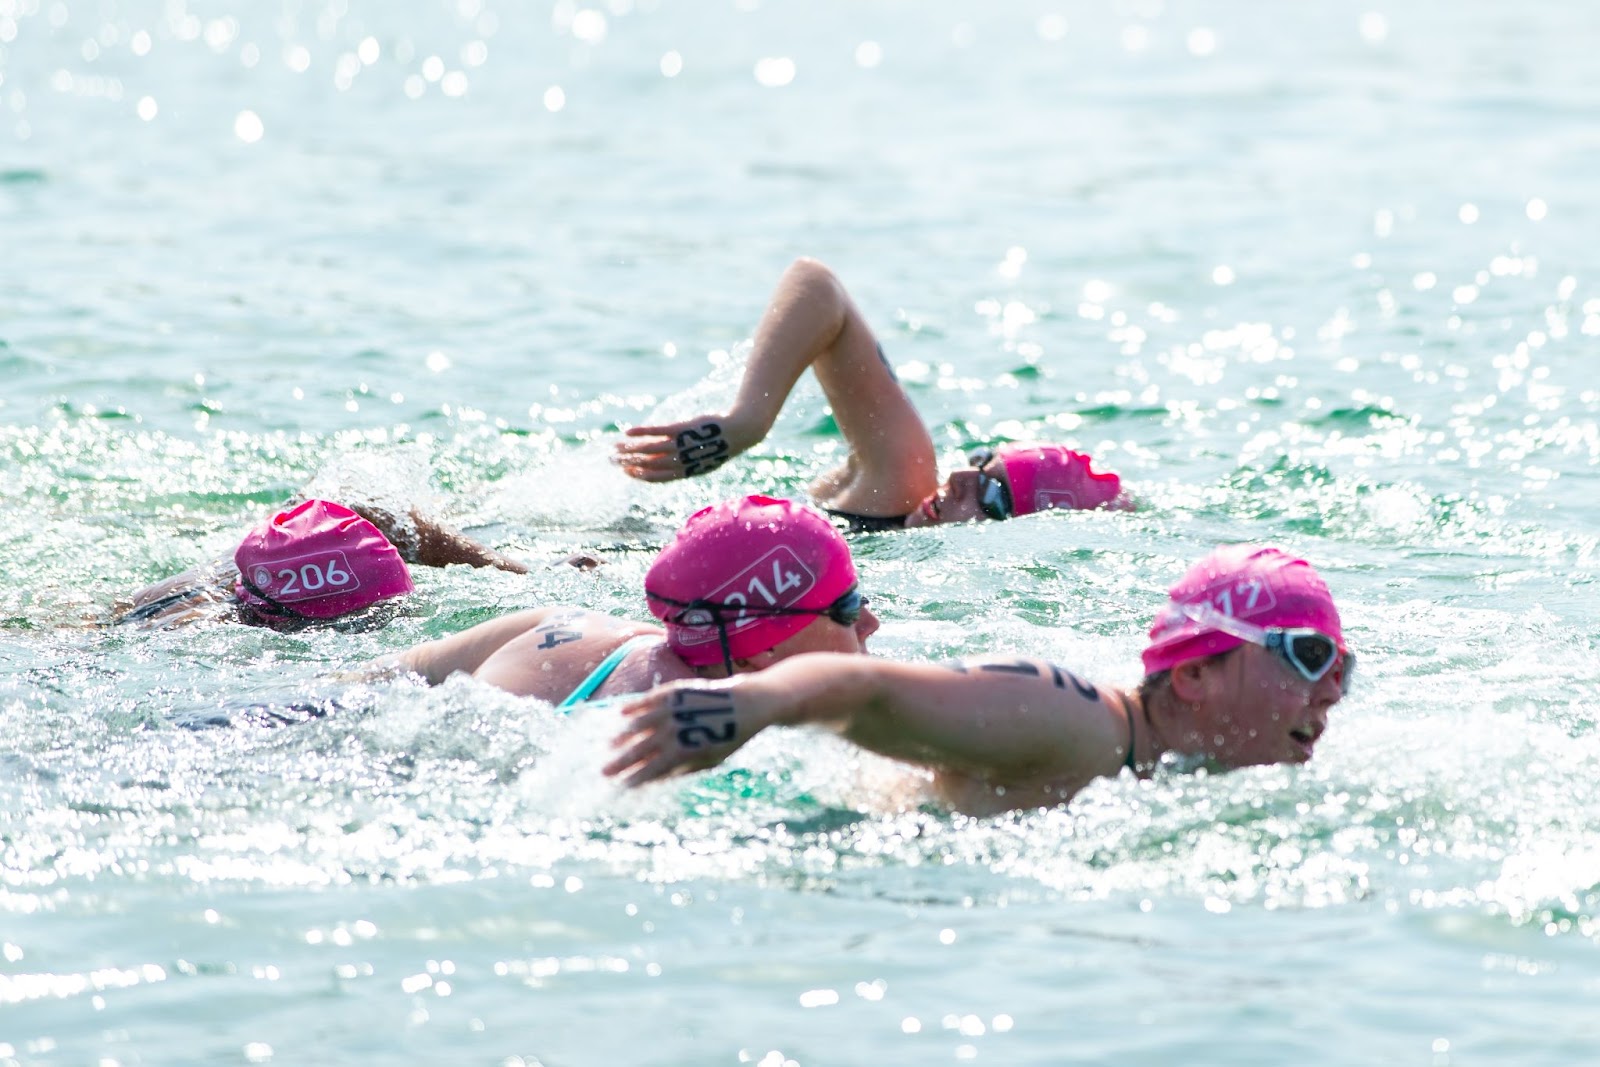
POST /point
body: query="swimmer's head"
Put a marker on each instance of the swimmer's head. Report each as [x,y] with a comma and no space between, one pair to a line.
[317,560]
[746,575]
[1019,479]
[1045,477]
[1261,587]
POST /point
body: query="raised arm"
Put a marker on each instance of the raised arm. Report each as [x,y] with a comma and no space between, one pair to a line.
[995,724]
[810,322]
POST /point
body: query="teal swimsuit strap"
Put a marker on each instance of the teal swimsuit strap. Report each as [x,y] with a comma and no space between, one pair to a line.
[598,676]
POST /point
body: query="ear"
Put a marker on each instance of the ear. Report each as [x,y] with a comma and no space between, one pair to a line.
[1188,681]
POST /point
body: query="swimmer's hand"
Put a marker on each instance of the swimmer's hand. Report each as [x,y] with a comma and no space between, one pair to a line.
[685,726]
[685,449]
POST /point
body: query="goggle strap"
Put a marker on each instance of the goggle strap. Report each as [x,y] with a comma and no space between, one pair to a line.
[277,609]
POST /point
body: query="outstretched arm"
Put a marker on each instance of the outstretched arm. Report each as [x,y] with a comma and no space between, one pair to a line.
[1000,722]
[433,544]
[810,322]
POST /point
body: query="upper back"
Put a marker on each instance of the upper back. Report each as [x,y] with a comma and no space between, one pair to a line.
[553,659]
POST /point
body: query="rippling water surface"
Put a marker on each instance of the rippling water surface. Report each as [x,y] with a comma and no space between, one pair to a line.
[1321,275]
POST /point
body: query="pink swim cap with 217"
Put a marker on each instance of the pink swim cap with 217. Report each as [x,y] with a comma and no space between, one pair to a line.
[1261,585]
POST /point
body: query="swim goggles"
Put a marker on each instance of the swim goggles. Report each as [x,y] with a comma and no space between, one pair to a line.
[845,610]
[1310,652]
[994,496]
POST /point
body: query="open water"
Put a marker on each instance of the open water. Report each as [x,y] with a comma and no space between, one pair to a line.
[1324,274]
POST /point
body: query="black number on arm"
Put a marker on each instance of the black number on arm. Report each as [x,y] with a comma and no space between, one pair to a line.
[702,451]
[1021,666]
[884,359]
[692,705]
[554,634]
[1062,677]
[553,638]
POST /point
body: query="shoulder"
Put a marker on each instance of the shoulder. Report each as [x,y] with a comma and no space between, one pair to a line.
[553,658]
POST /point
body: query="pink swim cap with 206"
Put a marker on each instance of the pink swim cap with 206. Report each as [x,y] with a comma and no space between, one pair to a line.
[1044,477]
[318,560]
[1263,586]
[747,561]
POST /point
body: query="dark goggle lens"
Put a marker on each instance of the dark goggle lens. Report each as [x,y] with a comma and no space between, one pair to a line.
[980,457]
[846,611]
[993,499]
[1314,653]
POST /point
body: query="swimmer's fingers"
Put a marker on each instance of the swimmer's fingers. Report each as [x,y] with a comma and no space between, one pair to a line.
[654,445]
[682,449]
[674,730]
[649,459]
[645,756]
[650,468]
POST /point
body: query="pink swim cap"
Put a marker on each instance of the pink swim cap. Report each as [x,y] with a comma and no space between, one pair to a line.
[757,552]
[318,560]
[1264,586]
[1054,476]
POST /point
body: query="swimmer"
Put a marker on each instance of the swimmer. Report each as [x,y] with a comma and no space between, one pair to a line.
[316,560]
[1243,664]
[890,479]
[744,584]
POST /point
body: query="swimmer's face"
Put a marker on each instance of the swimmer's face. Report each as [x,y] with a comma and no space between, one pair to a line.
[963,496]
[825,635]
[1259,710]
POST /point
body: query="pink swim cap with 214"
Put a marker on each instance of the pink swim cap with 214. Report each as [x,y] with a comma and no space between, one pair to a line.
[759,553]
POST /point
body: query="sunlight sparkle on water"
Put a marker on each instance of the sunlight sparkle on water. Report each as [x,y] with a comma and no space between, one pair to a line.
[589,26]
[247,126]
[774,72]
[1202,41]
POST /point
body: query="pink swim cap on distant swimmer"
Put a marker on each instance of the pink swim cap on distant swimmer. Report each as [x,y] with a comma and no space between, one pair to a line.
[756,553]
[1263,586]
[1053,476]
[319,560]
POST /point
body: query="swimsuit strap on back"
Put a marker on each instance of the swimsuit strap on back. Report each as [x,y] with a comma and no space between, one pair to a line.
[598,676]
[867,523]
[1128,763]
